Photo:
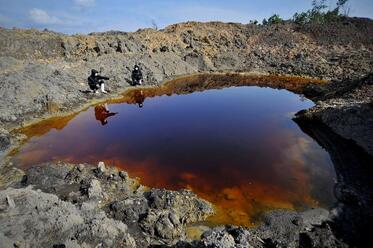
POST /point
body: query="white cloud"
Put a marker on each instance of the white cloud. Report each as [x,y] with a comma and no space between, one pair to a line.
[42,17]
[85,3]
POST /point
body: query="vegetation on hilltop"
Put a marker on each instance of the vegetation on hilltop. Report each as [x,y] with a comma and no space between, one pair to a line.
[317,14]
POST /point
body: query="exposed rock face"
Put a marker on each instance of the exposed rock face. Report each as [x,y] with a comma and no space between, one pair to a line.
[4,140]
[281,229]
[40,219]
[347,108]
[352,216]
[96,207]
[170,211]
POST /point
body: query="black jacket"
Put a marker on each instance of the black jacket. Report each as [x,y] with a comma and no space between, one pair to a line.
[93,79]
[136,74]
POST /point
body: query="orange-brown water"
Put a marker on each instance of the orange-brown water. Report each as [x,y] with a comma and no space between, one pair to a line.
[236,147]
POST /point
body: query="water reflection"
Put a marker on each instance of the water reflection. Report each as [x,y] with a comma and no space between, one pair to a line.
[139,97]
[236,147]
[102,113]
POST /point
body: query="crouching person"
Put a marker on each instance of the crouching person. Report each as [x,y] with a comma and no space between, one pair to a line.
[137,76]
[96,82]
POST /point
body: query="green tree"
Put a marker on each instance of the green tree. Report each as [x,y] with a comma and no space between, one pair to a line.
[318,14]
[301,18]
[275,19]
[318,5]
[255,22]
[341,4]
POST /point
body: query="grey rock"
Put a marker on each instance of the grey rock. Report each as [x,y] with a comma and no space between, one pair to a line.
[152,216]
[101,167]
[10,202]
[81,167]
[129,210]
[165,229]
[4,142]
[218,240]
[95,190]
[123,174]
[62,222]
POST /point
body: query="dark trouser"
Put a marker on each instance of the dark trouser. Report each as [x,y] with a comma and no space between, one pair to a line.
[96,86]
[136,80]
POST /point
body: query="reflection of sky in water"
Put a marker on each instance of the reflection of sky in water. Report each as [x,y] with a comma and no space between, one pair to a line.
[237,147]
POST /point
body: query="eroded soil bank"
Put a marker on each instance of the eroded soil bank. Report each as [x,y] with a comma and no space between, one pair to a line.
[48,76]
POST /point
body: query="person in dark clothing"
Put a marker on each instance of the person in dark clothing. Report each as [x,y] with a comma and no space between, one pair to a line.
[96,82]
[102,113]
[137,75]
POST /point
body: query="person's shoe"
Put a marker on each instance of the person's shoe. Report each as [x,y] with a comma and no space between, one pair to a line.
[104,91]
[96,92]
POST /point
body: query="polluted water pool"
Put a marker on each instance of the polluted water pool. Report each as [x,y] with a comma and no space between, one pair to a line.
[236,147]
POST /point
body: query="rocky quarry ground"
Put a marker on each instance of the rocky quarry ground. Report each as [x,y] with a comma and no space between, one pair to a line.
[44,74]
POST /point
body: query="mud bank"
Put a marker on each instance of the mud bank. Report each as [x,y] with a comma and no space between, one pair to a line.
[48,77]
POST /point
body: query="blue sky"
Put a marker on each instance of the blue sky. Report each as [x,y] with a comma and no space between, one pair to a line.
[83,16]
